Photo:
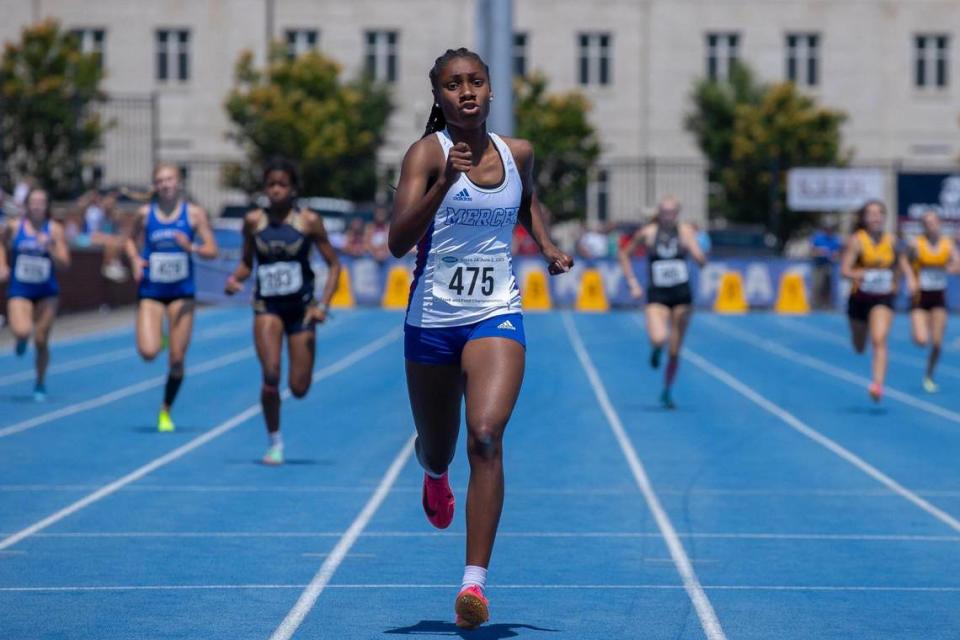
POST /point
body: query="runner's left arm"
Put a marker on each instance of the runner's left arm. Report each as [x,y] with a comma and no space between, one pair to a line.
[207,248]
[689,239]
[329,255]
[904,255]
[530,214]
[58,246]
[4,265]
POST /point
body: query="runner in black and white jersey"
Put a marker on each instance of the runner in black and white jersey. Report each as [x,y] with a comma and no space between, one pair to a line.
[280,239]
[669,244]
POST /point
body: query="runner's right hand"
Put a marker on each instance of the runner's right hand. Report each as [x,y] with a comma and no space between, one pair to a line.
[232,286]
[459,160]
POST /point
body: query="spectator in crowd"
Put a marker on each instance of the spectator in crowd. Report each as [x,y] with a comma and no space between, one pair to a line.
[825,248]
[354,241]
[99,228]
[375,235]
[593,244]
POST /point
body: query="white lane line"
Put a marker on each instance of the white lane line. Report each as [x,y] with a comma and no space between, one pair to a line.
[836,372]
[597,587]
[703,535]
[116,354]
[627,491]
[827,336]
[321,580]
[708,617]
[798,425]
[123,392]
[199,441]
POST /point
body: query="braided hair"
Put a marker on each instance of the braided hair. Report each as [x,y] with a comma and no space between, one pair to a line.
[284,165]
[437,121]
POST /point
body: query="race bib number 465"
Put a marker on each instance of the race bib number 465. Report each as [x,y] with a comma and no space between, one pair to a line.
[472,281]
[669,273]
[169,267]
[279,279]
[32,269]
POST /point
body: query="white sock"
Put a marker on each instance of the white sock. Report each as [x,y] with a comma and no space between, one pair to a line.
[474,576]
[276,440]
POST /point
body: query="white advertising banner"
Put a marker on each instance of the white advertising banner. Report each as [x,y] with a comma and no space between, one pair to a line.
[833,189]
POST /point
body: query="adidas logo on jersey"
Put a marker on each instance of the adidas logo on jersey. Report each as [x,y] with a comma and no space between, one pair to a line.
[506,324]
[463,196]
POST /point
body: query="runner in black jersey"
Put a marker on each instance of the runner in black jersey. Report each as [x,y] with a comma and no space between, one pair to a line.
[669,244]
[280,237]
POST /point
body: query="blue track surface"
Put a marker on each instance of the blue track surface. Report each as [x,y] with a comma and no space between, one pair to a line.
[805,510]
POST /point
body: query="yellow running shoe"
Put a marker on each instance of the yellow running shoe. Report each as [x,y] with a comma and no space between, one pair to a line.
[164,423]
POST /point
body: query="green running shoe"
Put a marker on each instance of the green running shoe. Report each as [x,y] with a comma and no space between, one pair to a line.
[930,386]
[164,423]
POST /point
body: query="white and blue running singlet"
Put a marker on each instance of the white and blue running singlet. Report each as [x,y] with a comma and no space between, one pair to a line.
[464,272]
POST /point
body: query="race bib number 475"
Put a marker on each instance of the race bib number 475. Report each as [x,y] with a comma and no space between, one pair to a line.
[472,281]
[169,267]
[279,279]
[32,269]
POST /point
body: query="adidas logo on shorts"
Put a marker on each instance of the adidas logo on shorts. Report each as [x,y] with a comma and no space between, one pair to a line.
[463,196]
[506,324]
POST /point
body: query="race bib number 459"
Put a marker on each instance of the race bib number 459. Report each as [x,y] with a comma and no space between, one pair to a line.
[32,269]
[279,279]
[169,267]
[472,281]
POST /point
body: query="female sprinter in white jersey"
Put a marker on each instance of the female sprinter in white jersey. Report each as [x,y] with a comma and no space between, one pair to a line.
[461,191]
[37,248]
[280,239]
[168,229]
[669,298]
[931,256]
[871,260]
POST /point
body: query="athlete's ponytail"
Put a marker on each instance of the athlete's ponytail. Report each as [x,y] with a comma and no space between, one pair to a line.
[437,121]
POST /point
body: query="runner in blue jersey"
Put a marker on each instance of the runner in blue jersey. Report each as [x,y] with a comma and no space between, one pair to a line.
[169,231]
[279,239]
[37,248]
[462,189]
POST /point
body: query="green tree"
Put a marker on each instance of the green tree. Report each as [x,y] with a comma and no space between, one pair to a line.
[565,143]
[751,134]
[49,93]
[300,108]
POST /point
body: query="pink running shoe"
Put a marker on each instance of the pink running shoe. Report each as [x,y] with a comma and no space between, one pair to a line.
[438,501]
[876,391]
[472,608]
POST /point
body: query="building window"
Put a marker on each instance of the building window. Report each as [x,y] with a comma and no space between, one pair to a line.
[931,54]
[520,54]
[91,41]
[382,55]
[173,55]
[803,59]
[603,195]
[723,51]
[595,62]
[300,41]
